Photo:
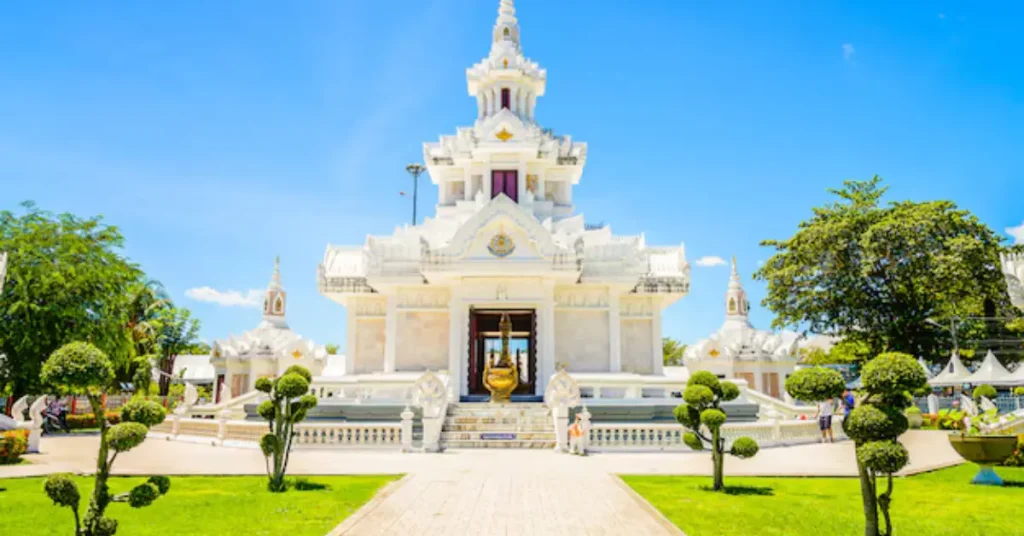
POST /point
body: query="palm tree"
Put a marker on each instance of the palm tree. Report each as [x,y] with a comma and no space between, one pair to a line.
[145,301]
[672,352]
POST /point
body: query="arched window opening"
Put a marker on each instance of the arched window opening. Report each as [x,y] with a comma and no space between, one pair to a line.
[732,305]
[506,32]
[278,305]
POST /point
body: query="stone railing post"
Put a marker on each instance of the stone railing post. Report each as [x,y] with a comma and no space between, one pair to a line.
[407,429]
[222,425]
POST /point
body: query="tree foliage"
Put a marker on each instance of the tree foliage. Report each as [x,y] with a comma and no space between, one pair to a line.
[875,273]
[672,352]
[177,332]
[875,426]
[815,384]
[702,416]
[287,405]
[66,281]
[81,368]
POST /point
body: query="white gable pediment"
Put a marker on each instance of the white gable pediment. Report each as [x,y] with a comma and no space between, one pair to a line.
[526,237]
[505,127]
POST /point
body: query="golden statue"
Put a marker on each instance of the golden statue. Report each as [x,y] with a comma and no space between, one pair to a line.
[503,377]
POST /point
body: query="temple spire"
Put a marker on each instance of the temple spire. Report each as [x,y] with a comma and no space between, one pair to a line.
[506,28]
[735,297]
[274,304]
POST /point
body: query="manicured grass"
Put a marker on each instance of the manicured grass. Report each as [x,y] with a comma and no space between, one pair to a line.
[197,506]
[932,504]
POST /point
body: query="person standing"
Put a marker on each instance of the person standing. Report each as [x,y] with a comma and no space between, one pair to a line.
[824,415]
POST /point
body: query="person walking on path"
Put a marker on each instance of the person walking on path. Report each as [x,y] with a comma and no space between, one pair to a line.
[824,415]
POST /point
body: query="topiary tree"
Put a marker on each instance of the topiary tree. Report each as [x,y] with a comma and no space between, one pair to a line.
[288,404]
[701,414]
[1018,391]
[80,368]
[986,391]
[815,384]
[875,426]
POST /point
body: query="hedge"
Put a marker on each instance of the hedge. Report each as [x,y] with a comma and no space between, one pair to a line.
[88,420]
[13,444]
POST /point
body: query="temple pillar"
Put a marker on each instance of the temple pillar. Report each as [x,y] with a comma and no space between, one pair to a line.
[390,333]
[481,103]
[351,325]
[456,343]
[657,358]
[546,363]
[614,332]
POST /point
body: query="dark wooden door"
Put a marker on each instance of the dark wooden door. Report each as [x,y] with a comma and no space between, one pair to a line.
[505,182]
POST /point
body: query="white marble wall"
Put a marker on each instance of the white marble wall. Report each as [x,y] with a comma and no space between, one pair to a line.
[581,340]
[369,339]
[422,341]
[636,346]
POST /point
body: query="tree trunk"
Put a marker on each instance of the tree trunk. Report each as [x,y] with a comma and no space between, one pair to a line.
[717,456]
[100,493]
[867,492]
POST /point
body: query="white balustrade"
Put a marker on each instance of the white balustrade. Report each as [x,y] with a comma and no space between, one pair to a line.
[307,434]
[669,436]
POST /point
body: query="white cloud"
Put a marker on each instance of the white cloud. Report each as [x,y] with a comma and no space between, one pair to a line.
[1017,233]
[228,298]
[710,261]
[760,264]
[848,51]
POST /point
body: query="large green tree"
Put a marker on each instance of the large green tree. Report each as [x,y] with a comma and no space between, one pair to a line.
[876,273]
[66,281]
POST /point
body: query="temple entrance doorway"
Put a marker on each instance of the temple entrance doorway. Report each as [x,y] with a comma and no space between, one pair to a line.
[485,343]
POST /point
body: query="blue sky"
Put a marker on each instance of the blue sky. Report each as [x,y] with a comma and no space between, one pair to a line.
[217,135]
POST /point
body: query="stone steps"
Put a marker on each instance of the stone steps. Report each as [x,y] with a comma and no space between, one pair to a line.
[491,444]
[505,426]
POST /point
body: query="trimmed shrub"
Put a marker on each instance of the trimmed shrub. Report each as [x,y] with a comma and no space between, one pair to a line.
[702,417]
[86,421]
[815,384]
[1018,391]
[1017,458]
[986,391]
[287,406]
[13,443]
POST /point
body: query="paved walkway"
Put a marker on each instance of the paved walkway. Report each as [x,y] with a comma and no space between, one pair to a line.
[486,491]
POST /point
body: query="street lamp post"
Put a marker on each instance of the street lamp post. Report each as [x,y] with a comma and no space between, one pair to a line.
[415,170]
[954,323]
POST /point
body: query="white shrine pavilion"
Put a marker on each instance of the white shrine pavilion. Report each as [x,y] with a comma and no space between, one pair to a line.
[505,238]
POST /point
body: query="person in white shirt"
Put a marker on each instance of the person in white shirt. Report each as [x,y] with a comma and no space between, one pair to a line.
[824,415]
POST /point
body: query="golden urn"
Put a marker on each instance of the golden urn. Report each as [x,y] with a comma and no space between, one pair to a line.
[502,377]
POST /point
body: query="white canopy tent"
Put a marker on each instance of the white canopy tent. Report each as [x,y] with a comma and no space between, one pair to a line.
[927,371]
[953,375]
[991,372]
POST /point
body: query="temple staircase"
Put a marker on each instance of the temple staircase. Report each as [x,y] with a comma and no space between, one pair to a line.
[509,426]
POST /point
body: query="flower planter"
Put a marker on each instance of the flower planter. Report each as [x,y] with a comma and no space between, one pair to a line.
[985,451]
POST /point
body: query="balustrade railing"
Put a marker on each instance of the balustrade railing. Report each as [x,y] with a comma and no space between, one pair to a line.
[656,436]
[307,434]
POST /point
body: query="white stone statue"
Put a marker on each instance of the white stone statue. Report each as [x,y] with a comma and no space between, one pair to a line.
[987,405]
[191,397]
[430,394]
[968,406]
[561,395]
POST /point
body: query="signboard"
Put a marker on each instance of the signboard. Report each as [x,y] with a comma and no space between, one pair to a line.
[503,436]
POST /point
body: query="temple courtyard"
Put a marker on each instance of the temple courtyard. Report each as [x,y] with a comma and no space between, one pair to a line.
[498,491]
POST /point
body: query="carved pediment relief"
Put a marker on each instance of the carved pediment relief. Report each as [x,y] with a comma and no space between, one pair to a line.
[502,230]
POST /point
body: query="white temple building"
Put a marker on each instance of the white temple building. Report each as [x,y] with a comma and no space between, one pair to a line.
[266,351]
[505,238]
[737,350]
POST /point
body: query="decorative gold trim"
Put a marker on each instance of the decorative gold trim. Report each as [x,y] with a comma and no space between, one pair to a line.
[297,354]
[714,353]
[504,135]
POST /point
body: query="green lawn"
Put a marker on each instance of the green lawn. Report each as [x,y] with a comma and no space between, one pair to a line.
[931,504]
[197,506]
